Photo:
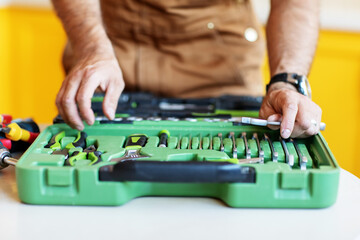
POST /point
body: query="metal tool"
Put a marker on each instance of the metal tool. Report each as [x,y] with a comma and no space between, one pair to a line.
[247,149]
[261,152]
[221,142]
[164,135]
[133,147]
[189,147]
[289,158]
[200,142]
[5,157]
[263,122]
[274,155]
[251,160]
[302,159]
[232,136]
[89,153]
[179,142]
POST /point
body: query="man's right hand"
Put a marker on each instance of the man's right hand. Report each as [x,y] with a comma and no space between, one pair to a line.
[89,73]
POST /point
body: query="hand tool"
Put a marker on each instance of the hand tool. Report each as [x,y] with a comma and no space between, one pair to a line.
[247,149]
[211,142]
[164,135]
[274,154]
[289,158]
[179,142]
[5,118]
[200,142]
[251,160]
[5,157]
[221,142]
[133,147]
[14,132]
[302,159]
[189,146]
[174,119]
[55,145]
[232,136]
[263,122]
[89,153]
[261,152]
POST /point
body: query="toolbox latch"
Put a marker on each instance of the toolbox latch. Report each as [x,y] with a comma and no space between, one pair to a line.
[60,177]
[294,180]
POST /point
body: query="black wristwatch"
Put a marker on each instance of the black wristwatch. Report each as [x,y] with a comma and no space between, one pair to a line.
[300,82]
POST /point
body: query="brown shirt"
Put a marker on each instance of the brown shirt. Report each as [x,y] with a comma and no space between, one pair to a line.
[186,48]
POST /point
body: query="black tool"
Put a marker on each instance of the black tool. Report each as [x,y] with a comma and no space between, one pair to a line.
[164,135]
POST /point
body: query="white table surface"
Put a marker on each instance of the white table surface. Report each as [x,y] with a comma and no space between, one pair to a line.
[177,218]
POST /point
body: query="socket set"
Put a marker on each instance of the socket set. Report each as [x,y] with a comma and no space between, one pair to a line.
[114,162]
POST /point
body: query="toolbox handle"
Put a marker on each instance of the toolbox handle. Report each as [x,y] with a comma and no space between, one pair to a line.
[177,171]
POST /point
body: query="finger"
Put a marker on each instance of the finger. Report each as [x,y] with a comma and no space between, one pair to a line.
[308,120]
[58,100]
[289,110]
[313,129]
[68,101]
[274,118]
[111,98]
[83,97]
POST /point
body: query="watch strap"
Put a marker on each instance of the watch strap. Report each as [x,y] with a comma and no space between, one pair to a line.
[282,77]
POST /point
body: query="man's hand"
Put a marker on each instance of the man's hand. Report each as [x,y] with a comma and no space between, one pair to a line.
[299,116]
[95,63]
[74,98]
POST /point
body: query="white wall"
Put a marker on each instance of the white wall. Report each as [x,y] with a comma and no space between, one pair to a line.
[30,3]
[335,14]
[4,2]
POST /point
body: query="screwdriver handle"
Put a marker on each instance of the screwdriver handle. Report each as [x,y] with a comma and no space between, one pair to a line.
[164,135]
[16,133]
[5,118]
[136,141]
[6,142]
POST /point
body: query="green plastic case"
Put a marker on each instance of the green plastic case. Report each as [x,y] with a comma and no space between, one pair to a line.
[42,177]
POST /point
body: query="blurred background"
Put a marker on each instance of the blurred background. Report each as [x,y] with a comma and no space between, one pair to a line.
[32,40]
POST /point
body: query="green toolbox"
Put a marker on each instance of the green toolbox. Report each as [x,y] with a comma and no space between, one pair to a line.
[112,162]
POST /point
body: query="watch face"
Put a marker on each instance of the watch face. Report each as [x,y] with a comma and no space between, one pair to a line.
[304,86]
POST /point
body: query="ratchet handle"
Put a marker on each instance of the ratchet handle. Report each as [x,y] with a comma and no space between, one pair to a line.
[177,171]
[322,125]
